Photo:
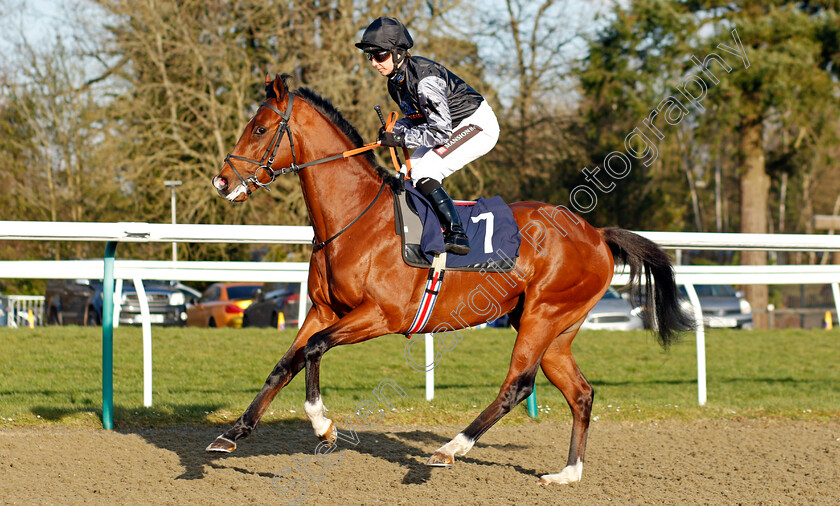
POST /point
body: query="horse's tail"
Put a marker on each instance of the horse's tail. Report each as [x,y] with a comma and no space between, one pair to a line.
[662,311]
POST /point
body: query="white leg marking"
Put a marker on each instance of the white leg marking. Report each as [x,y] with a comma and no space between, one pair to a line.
[315,412]
[460,445]
[569,474]
[239,190]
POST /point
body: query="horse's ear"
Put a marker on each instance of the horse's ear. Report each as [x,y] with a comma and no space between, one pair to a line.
[276,88]
[269,87]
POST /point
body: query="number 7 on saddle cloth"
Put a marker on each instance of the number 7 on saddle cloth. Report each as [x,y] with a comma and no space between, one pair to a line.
[488,222]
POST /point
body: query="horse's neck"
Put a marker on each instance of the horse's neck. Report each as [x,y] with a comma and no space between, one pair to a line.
[335,192]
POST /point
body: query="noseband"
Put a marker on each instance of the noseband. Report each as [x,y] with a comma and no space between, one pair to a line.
[270,152]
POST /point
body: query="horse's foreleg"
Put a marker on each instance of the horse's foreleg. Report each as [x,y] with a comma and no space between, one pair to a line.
[314,406]
[286,369]
[560,368]
[280,376]
[361,324]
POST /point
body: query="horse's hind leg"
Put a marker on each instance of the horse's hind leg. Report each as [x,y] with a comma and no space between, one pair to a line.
[560,368]
[518,385]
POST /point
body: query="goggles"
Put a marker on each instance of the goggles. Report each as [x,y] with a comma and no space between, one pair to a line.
[380,55]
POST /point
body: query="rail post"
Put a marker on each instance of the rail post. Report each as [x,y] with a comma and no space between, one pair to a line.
[532,402]
[108,337]
[430,366]
[701,343]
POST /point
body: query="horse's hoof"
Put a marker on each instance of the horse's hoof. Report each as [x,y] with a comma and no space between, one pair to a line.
[549,479]
[440,459]
[330,436]
[221,445]
[569,474]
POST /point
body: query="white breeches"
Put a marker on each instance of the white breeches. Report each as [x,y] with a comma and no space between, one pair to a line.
[466,144]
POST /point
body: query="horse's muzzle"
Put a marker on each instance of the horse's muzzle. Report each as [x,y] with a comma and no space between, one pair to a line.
[220,183]
[235,194]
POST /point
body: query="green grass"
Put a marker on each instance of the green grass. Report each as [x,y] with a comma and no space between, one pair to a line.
[208,376]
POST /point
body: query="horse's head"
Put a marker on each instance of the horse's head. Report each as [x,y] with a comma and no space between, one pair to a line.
[266,141]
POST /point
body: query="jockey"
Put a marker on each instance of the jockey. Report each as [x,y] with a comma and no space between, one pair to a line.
[446,122]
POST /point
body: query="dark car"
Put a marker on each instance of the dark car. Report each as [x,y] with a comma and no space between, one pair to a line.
[268,303]
[500,322]
[79,302]
[73,301]
[4,320]
[273,300]
[291,308]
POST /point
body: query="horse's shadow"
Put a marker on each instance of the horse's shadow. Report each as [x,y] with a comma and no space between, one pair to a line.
[407,449]
[418,472]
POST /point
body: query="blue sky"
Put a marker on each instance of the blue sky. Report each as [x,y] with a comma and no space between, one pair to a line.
[41,21]
[37,20]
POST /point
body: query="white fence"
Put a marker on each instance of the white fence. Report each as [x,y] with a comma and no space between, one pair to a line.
[138,270]
[690,275]
[153,232]
[291,272]
[21,310]
[253,234]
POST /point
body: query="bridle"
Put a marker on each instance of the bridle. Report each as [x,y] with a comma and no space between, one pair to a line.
[270,152]
[284,130]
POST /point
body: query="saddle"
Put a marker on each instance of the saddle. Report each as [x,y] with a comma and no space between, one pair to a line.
[489,224]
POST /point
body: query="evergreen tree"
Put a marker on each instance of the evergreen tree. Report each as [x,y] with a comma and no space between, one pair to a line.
[764,69]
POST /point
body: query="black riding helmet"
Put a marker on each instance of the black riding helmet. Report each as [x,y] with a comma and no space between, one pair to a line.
[387,34]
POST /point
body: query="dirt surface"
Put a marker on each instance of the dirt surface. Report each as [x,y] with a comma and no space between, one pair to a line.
[718,462]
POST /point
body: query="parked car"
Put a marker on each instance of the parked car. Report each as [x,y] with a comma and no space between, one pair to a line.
[79,302]
[4,320]
[73,301]
[500,322]
[613,313]
[167,303]
[291,308]
[222,305]
[722,306]
[191,295]
[268,305]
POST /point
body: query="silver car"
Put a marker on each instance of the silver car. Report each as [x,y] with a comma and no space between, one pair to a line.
[722,306]
[613,313]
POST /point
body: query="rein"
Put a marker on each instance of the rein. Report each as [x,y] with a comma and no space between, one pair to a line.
[268,159]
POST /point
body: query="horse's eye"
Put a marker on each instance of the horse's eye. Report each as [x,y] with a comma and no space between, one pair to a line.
[259,130]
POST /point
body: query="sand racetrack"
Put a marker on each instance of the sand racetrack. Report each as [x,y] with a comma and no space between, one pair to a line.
[702,462]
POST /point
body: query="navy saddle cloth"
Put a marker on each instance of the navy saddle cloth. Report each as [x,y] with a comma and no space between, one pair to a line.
[489,224]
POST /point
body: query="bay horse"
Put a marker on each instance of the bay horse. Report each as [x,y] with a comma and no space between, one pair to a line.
[361,289]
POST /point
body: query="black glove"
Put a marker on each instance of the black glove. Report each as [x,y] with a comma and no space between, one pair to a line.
[390,139]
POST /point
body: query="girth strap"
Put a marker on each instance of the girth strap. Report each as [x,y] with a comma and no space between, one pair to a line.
[427,302]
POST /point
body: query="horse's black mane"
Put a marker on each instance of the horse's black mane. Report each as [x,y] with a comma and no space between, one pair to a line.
[325,107]
[328,109]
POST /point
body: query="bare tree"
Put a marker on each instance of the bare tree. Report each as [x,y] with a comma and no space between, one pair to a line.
[531,47]
[54,171]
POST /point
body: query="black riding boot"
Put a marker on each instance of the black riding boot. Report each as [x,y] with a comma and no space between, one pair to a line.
[453,232]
